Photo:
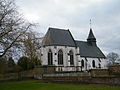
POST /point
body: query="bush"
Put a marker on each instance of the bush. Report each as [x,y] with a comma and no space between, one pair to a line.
[23,63]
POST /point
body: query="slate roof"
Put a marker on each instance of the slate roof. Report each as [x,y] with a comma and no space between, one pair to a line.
[59,37]
[87,50]
[62,37]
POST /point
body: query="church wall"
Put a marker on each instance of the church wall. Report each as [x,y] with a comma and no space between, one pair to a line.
[103,63]
[43,56]
[83,67]
[90,60]
[55,49]
[88,63]
[66,58]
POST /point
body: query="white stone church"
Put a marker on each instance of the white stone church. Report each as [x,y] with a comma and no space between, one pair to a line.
[60,50]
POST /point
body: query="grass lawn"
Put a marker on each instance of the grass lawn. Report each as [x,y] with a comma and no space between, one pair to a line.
[37,85]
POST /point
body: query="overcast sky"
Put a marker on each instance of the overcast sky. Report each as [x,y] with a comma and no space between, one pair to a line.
[75,15]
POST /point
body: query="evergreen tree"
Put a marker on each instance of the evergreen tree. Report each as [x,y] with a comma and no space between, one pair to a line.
[23,62]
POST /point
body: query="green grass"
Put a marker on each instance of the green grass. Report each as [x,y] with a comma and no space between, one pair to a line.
[36,85]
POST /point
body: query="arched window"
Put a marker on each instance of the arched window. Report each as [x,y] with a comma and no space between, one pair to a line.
[71,58]
[82,63]
[60,57]
[93,63]
[50,58]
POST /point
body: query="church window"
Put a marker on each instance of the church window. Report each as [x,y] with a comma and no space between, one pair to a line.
[71,57]
[50,58]
[82,63]
[93,63]
[60,57]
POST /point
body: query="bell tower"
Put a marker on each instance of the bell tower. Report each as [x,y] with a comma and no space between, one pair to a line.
[91,38]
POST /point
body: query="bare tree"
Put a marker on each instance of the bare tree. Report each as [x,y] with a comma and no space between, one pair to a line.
[12,26]
[32,44]
[112,57]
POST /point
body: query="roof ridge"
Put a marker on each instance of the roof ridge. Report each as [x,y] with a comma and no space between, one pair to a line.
[51,28]
[80,41]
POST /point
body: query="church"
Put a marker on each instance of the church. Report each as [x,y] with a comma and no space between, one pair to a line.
[60,50]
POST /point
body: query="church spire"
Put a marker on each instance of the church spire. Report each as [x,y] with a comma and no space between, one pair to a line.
[91,38]
[91,35]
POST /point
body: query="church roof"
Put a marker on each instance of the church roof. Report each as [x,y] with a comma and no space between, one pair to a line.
[87,50]
[59,37]
[62,37]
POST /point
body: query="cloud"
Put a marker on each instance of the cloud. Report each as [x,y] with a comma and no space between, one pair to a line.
[75,15]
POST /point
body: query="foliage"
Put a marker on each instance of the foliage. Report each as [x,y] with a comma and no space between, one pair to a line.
[23,63]
[37,85]
[16,38]
[3,65]
[27,63]
[37,61]
[7,66]
[31,45]
[11,62]
[2,61]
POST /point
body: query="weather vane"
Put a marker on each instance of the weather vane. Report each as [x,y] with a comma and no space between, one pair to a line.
[90,23]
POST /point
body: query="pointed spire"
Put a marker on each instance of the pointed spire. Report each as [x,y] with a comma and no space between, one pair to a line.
[91,35]
[91,38]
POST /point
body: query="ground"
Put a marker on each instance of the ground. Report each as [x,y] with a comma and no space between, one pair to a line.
[37,85]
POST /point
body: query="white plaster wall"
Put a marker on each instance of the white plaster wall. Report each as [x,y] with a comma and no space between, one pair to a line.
[55,49]
[83,68]
[89,63]
[104,63]
[66,58]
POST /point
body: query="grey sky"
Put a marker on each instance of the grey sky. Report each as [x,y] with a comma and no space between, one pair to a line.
[75,15]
